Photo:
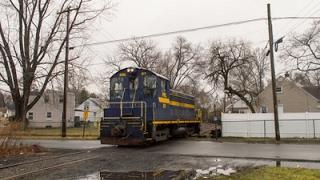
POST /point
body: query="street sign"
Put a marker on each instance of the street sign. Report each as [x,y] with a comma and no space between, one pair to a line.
[85,111]
[85,115]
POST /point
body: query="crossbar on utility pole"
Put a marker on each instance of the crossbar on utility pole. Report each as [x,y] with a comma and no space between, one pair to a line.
[65,87]
[274,95]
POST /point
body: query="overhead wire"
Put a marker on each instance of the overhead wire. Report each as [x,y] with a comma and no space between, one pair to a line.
[286,26]
[309,13]
[192,30]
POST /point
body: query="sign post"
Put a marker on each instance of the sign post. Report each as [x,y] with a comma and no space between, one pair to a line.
[85,116]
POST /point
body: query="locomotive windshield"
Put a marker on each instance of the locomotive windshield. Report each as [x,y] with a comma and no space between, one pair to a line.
[150,85]
[116,88]
[150,82]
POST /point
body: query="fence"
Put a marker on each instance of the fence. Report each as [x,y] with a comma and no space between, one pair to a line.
[302,125]
[43,129]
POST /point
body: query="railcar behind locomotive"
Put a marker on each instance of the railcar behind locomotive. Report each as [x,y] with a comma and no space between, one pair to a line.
[143,108]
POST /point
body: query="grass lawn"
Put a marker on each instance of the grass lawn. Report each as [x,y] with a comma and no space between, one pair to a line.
[273,173]
[56,132]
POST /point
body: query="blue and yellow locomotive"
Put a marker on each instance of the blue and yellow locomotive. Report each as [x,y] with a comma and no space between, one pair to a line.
[143,108]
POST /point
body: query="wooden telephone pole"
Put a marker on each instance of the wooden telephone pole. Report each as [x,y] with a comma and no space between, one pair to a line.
[65,86]
[66,63]
[274,94]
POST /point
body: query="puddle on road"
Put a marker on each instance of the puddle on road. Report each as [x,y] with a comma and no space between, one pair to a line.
[162,174]
[137,175]
[223,166]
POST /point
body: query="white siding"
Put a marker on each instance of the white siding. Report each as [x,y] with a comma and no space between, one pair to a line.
[95,111]
[41,108]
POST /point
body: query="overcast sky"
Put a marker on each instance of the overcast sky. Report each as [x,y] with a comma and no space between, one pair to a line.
[143,17]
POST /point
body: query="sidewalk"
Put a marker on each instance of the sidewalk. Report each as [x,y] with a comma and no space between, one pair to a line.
[66,144]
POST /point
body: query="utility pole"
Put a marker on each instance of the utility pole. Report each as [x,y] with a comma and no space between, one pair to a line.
[275,101]
[65,87]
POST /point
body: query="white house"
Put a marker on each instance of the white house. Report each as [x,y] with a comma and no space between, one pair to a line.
[47,112]
[95,109]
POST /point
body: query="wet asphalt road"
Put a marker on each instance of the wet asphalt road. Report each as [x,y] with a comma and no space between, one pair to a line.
[94,159]
[308,152]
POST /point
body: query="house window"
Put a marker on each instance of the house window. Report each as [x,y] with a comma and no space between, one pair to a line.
[86,106]
[49,114]
[279,89]
[94,114]
[280,108]
[46,98]
[241,111]
[264,109]
[60,99]
[30,115]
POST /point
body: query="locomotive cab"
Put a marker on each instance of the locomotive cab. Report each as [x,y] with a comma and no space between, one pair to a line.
[143,108]
[125,122]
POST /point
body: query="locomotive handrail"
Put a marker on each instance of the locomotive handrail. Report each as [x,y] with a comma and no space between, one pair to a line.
[134,95]
[143,111]
[124,90]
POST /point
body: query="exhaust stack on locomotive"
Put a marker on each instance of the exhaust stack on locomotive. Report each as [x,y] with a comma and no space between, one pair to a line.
[143,108]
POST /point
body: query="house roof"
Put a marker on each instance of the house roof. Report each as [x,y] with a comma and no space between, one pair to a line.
[96,101]
[313,90]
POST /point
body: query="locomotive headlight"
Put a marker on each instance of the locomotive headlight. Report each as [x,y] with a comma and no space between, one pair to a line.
[130,70]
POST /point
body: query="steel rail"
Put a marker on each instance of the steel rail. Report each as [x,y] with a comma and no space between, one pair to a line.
[48,168]
[41,159]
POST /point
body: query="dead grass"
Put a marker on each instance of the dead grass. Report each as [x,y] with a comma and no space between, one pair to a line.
[273,173]
[10,143]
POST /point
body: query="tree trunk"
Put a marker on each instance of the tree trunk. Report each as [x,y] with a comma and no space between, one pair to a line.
[21,113]
[244,99]
[18,111]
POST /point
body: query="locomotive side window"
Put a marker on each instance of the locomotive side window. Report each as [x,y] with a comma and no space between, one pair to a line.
[150,85]
[163,86]
[116,88]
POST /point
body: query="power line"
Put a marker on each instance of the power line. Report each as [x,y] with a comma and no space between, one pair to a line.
[303,12]
[312,11]
[193,30]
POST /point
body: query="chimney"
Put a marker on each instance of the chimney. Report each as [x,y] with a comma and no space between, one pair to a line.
[286,75]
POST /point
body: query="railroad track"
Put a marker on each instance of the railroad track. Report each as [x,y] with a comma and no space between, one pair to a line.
[50,167]
[38,160]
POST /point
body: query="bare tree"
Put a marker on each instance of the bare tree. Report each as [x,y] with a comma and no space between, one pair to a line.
[31,44]
[249,78]
[178,63]
[203,99]
[141,52]
[315,78]
[304,49]
[309,78]
[234,67]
